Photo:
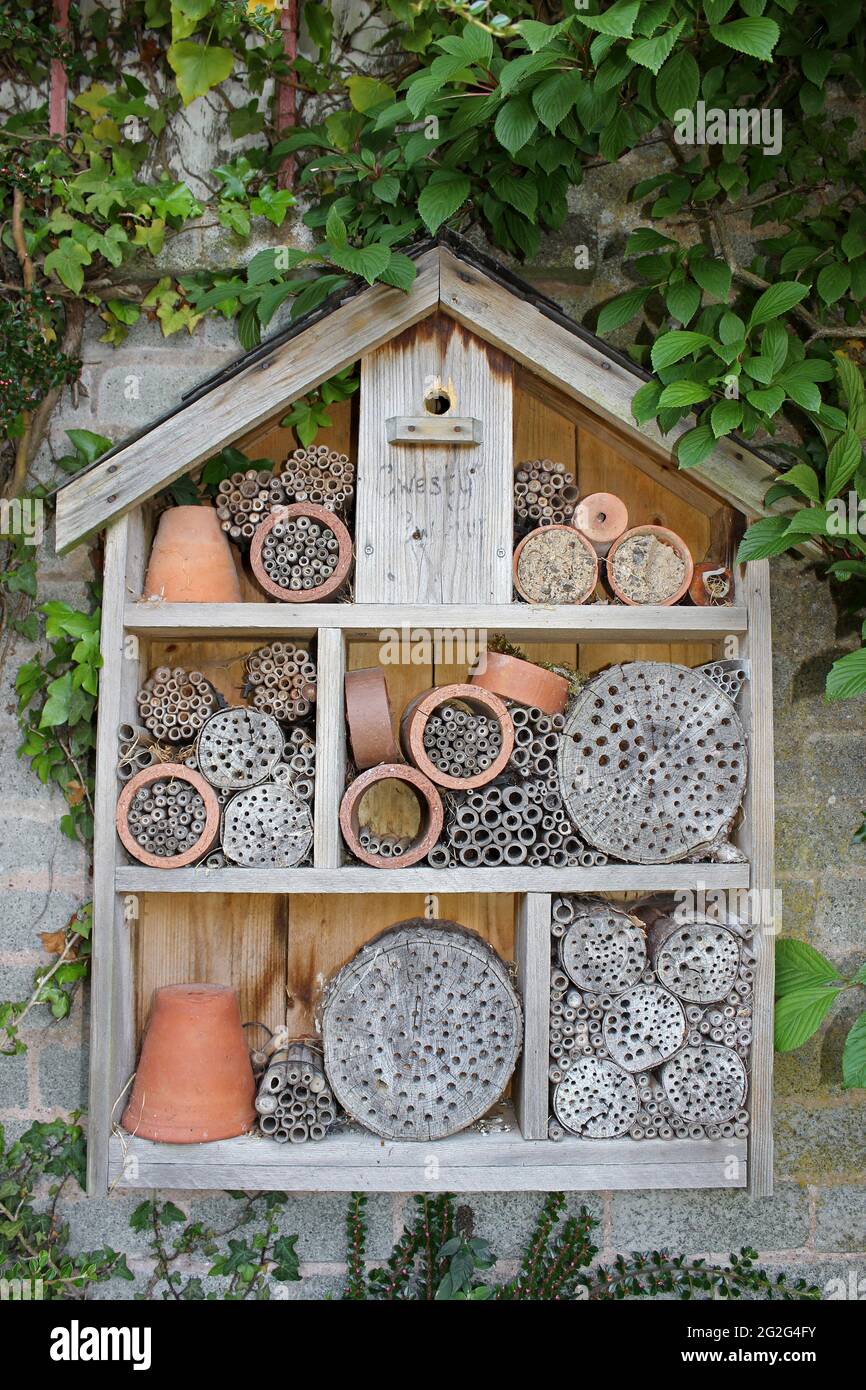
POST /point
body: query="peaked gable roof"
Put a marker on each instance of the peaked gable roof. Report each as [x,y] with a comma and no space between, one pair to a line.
[452,277]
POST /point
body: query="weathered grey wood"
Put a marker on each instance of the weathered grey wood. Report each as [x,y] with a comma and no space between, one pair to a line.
[598,622]
[433,521]
[421,1030]
[433,429]
[235,406]
[607,878]
[330,749]
[532,952]
[758,833]
[351,1159]
[112,1052]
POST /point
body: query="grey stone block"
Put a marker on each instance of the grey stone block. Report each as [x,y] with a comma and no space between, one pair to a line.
[319,1219]
[14,1085]
[24,915]
[507,1219]
[98,1221]
[137,390]
[63,1076]
[16,982]
[841,1219]
[28,842]
[820,1145]
[698,1222]
[811,837]
[840,910]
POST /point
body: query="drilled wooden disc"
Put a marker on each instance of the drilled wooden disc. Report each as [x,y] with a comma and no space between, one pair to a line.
[604,949]
[422,1030]
[267,826]
[596,1099]
[696,960]
[239,747]
[652,762]
[643,1027]
[705,1084]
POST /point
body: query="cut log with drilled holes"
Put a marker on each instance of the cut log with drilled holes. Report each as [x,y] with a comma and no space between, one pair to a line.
[705,1084]
[267,826]
[604,948]
[239,747]
[652,763]
[696,960]
[422,1030]
[596,1099]
[643,1027]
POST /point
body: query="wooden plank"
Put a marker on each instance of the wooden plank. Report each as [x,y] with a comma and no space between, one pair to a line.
[758,842]
[533,980]
[330,749]
[607,878]
[234,407]
[351,1159]
[584,371]
[374,621]
[433,521]
[433,429]
[112,1052]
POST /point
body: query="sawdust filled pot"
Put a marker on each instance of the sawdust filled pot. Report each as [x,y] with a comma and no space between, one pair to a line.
[194,1081]
[513,679]
[639,570]
[191,559]
[167,816]
[555,564]
[712,585]
[287,548]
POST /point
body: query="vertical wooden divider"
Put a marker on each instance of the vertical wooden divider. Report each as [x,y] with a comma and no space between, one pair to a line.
[330,748]
[532,952]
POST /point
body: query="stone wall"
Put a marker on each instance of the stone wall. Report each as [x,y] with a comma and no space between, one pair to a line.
[814,1225]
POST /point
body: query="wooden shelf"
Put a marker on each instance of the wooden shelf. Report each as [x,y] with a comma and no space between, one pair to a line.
[606,878]
[351,1159]
[594,622]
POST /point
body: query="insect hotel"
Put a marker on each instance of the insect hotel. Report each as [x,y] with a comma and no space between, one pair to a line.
[434,817]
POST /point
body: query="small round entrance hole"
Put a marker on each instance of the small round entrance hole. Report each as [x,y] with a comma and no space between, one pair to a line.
[437,403]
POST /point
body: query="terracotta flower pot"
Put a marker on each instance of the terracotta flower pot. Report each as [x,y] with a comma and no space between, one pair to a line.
[712,585]
[670,538]
[194,1081]
[543,536]
[191,560]
[601,517]
[513,679]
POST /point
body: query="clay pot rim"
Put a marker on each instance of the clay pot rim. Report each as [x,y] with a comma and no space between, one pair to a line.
[589,548]
[369,718]
[344,554]
[662,533]
[698,594]
[414,722]
[155,773]
[524,672]
[602,501]
[432,818]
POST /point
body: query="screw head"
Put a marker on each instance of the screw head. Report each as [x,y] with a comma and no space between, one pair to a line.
[368,549]
[500,552]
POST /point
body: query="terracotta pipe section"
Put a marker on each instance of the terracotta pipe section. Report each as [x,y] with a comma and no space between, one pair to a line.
[432,816]
[522,681]
[477,700]
[132,831]
[601,517]
[369,719]
[278,548]
[194,1081]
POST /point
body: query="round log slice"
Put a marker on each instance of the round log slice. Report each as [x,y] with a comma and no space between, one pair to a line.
[652,762]
[267,827]
[604,949]
[643,1027]
[696,960]
[596,1099]
[238,747]
[705,1084]
[422,1030]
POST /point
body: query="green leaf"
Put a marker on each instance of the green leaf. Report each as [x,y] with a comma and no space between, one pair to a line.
[519,193]
[621,309]
[91,446]
[804,479]
[476,44]
[553,98]
[816,63]
[800,1013]
[366,261]
[847,676]
[365,93]
[798,965]
[683,302]
[515,124]
[712,276]
[678,84]
[445,191]
[67,262]
[725,416]
[842,463]
[681,393]
[400,273]
[765,538]
[833,282]
[537,35]
[618,21]
[769,401]
[757,37]
[854,1054]
[645,239]
[644,403]
[694,446]
[777,300]
[672,347]
[198,67]
[651,53]
[386,188]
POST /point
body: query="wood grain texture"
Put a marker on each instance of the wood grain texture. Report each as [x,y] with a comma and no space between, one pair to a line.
[433,521]
[433,429]
[471,1162]
[330,748]
[234,407]
[532,952]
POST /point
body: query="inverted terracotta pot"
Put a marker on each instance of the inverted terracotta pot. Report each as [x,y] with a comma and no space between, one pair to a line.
[333,583]
[158,772]
[669,538]
[432,814]
[480,701]
[585,594]
[369,718]
[601,517]
[191,559]
[513,679]
[707,573]
[194,1081]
